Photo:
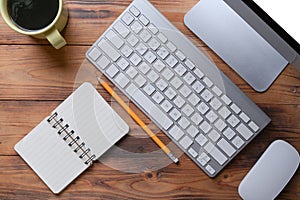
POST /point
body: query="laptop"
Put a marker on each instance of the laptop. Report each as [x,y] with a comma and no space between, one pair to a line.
[257,38]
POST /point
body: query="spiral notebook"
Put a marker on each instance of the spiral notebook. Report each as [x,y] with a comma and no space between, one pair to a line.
[67,142]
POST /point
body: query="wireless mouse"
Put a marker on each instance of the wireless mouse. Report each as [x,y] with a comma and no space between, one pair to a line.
[271,172]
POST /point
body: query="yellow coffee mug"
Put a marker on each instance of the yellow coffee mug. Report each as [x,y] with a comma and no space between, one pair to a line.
[51,32]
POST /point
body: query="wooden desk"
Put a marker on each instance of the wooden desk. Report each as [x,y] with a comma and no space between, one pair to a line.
[35,78]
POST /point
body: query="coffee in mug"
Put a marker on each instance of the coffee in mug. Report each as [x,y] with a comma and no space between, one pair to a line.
[38,18]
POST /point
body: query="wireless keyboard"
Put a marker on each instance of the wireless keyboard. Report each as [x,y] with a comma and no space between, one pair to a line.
[177,87]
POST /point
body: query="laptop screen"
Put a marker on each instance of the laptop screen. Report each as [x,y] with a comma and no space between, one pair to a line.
[286,13]
[275,12]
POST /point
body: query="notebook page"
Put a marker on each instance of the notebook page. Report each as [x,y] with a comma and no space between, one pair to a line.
[50,157]
[91,117]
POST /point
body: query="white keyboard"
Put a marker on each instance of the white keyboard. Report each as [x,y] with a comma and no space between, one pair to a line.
[177,87]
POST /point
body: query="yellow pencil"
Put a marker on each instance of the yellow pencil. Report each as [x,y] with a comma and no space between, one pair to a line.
[138,120]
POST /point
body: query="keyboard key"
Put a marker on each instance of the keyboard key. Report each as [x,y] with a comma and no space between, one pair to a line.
[114,39]
[126,51]
[210,169]
[196,118]
[189,64]
[140,80]
[229,133]
[189,78]
[121,29]
[192,152]
[253,126]
[167,74]
[188,110]
[144,20]
[205,127]
[141,48]
[122,80]
[226,147]
[185,142]
[215,153]
[112,70]
[94,54]
[224,112]
[161,84]
[134,11]
[211,116]
[203,108]
[179,101]
[103,62]
[235,108]
[198,87]
[220,125]
[244,131]
[153,29]
[214,135]
[163,52]
[206,95]
[175,114]
[154,44]
[201,139]
[244,117]
[166,106]
[135,59]
[162,37]
[149,89]
[185,91]
[132,40]
[162,119]
[176,82]
[180,55]
[171,46]
[127,18]
[136,27]
[153,76]
[159,65]
[203,159]
[123,64]
[192,131]
[180,69]
[145,35]
[144,68]
[226,99]
[199,73]
[233,120]
[207,81]
[158,97]
[217,91]
[170,93]
[215,103]
[132,72]
[176,132]
[171,61]
[237,142]
[109,50]
[193,99]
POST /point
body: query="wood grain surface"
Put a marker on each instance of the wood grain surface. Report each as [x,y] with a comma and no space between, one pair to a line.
[35,78]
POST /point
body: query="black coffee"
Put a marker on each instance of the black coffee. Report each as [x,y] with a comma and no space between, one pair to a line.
[32,14]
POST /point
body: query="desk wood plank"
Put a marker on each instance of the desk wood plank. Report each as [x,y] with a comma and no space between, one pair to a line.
[35,78]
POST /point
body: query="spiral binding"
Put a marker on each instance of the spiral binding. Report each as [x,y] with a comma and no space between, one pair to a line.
[74,141]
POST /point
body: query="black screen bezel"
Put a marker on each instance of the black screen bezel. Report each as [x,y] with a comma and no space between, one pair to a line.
[275,26]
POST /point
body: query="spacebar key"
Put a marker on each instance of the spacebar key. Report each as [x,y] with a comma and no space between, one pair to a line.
[150,108]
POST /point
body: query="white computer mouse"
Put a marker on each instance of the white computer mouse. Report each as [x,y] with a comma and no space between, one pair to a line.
[271,172]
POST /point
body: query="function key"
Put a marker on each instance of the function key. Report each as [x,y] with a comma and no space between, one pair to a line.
[127,18]
[135,11]
[253,126]
[217,90]
[162,37]
[235,108]
[153,29]
[144,20]
[171,46]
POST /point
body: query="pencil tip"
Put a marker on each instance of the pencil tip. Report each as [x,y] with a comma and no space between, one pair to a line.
[99,79]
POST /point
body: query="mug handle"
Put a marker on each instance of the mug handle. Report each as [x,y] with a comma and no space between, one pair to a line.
[55,38]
